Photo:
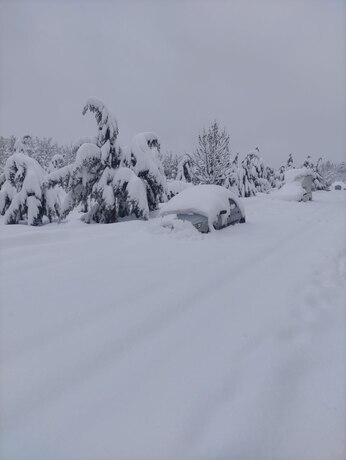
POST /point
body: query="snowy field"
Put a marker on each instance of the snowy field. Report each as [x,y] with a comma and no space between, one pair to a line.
[130,341]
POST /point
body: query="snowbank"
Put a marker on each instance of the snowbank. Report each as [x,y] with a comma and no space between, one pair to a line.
[207,200]
[293,191]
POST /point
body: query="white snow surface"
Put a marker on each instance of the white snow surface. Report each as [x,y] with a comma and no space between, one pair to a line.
[293,191]
[207,200]
[130,341]
[292,175]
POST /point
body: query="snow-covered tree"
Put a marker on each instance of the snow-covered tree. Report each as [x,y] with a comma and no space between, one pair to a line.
[119,193]
[235,176]
[333,172]
[290,162]
[247,186]
[211,160]
[143,158]
[79,178]
[24,195]
[318,180]
[107,131]
[308,163]
[57,162]
[252,175]
[279,177]
[269,174]
[92,159]
[6,149]
[256,171]
[110,182]
[25,145]
[2,179]
[184,169]
[170,163]
[41,149]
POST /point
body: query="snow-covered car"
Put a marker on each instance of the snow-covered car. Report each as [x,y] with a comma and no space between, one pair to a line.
[297,186]
[206,207]
[338,185]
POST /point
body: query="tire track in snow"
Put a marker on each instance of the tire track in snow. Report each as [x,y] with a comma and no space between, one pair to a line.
[50,391]
[306,326]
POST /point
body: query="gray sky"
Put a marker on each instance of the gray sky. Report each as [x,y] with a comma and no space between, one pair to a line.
[272,72]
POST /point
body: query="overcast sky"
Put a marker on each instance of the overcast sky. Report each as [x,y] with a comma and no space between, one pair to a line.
[271,72]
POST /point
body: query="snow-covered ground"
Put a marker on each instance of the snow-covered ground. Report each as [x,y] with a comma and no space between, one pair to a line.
[131,341]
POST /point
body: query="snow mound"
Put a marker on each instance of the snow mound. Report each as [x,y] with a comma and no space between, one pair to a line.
[293,191]
[175,228]
[207,200]
[292,175]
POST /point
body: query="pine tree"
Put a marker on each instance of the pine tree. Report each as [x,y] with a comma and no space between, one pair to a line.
[170,164]
[247,184]
[103,178]
[290,163]
[107,131]
[269,174]
[318,180]
[308,163]
[256,171]
[211,160]
[235,175]
[279,177]
[143,158]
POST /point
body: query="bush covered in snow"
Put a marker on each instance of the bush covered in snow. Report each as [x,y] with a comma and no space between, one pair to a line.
[23,195]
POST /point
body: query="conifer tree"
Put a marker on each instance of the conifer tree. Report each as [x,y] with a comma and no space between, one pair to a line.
[290,163]
[104,180]
[211,160]
[143,158]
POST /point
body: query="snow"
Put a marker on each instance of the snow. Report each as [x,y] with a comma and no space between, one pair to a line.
[207,200]
[293,175]
[342,185]
[56,162]
[176,186]
[87,152]
[293,191]
[128,341]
